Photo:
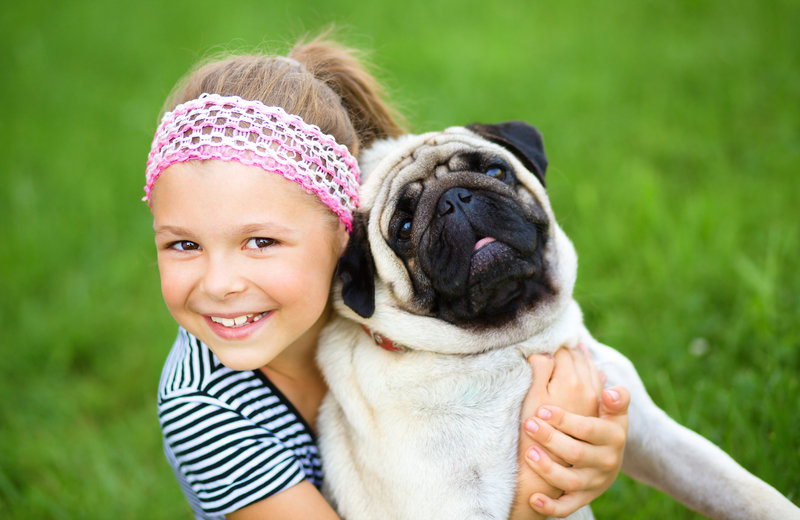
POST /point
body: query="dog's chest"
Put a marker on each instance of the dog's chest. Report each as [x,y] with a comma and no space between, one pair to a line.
[439,422]
[433,388]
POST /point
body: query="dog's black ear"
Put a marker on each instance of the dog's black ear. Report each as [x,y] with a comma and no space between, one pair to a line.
[356,269]
[524,141]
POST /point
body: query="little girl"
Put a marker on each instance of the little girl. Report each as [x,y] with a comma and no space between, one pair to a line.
[252,183]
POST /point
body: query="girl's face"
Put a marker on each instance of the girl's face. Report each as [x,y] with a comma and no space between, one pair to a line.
[246,259]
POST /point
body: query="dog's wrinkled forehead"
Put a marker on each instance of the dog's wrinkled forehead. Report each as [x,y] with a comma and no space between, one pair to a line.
[436,160]
[406,165]
[428,163]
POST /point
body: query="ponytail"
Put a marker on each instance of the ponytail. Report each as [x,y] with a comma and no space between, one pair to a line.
[361,94]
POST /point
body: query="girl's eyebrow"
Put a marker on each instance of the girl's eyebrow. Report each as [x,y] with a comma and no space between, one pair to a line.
[173,230]
[268,227]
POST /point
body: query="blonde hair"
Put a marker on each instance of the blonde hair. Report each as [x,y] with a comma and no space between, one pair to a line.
[323,82]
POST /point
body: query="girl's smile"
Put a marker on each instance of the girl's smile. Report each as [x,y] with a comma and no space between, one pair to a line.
[238,327]
[246,259]
[238,321]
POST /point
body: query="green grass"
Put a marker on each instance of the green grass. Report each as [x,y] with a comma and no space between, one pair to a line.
[673,131]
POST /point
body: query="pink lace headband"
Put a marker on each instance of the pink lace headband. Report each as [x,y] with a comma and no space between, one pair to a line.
[233,129]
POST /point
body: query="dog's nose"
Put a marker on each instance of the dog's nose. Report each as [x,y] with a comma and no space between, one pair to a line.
[452,199]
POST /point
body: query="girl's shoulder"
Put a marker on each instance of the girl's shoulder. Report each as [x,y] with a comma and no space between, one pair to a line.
[231,437]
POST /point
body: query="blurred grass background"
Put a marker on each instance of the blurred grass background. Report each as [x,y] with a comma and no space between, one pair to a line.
[673,131]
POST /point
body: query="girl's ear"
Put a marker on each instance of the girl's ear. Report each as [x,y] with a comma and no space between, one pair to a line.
[342,236]
[357,270]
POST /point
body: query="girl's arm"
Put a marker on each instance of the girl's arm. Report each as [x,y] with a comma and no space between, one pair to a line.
[570,455]
[299,502]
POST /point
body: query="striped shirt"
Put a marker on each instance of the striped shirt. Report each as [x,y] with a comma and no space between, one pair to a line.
[231,436]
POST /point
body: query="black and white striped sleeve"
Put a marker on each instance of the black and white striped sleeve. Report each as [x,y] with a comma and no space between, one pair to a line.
[226,460]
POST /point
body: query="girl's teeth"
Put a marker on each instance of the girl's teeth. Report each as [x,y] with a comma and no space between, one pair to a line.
[223,321]
[237,321]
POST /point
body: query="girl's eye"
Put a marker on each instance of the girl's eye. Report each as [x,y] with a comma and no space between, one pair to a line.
[496,172]
[404,231]
[185,245]
[259,243]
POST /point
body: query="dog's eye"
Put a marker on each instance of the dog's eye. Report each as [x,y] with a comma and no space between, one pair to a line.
[496,172]
[404,231]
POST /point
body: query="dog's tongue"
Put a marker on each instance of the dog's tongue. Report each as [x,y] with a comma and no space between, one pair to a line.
[482,242]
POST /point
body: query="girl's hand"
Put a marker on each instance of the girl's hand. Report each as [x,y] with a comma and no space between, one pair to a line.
[593,446]
[571,456]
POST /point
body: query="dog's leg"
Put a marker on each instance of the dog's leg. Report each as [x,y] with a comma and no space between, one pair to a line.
[676,460]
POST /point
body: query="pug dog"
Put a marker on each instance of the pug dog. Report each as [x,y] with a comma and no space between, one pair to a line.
[456,271]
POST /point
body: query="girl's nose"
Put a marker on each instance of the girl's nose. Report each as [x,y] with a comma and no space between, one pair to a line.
[222,279]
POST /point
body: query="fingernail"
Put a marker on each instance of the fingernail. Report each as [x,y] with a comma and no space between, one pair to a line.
[538,502]
[614,395]
[545,414]
[531,426]
[533,454]
[583,347]
[548,356]
[603,378]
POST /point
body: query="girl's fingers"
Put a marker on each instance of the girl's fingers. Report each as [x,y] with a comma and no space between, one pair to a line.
[576,438]
[570,384]
[542,366]
[561,508]
[564,448]
[568,479]
[582,369]
[564,365]
[542,369]
[614,403]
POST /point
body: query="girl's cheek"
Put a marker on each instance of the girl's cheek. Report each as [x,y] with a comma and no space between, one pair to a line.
[170,292]
[175,283]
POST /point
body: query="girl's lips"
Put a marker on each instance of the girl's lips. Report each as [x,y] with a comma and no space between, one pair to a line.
[237,332]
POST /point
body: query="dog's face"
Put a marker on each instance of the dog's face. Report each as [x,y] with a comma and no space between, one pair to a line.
[456,227]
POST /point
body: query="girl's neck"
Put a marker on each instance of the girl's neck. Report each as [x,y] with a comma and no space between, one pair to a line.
[299,358]
[294,371]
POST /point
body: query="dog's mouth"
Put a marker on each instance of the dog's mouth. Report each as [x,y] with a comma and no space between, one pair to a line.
[495,269]
[489,282]
[500,277]
[483,242]
[487,254]
[479,252]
